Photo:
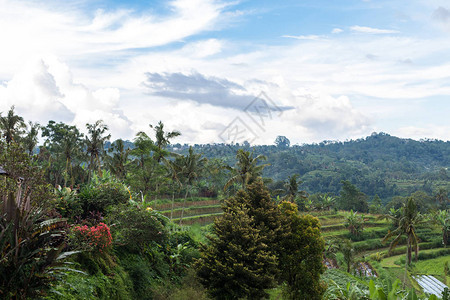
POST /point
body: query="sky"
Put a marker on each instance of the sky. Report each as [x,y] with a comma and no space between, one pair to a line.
[230,71]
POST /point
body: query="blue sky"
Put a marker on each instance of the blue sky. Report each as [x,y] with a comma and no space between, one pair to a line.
[336,69]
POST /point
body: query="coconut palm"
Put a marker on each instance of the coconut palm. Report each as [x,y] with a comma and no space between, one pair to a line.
[11,126]
[119,158]
[95,141]
[173,174]
[190,166]
[162,139]
[407,221]
[31,138]
[143,165]
[246,170]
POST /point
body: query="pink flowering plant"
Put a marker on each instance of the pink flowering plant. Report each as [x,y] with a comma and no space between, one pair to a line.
[95,238]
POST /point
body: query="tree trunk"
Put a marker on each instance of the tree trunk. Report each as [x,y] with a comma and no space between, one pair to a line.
[173,202]
[408,259]
[184,204]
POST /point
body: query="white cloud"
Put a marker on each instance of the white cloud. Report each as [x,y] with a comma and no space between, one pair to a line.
[370,30]
[34,29]
[44,90]
[303,37]
[426,132]
[337,30]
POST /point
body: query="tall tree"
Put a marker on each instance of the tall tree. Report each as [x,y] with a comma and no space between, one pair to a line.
[31,138]
[162,139]
[240,260]
[143,165]
[118,159]
[95,142]
[64,143]
[190,167]
[408,220]
[246,170]
[282,142]
[11,126]
[302,254]
[352,198]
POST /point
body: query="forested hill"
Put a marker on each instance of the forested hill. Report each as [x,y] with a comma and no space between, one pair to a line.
[378,164]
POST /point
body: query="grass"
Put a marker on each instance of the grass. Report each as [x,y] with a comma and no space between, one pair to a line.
[434,266]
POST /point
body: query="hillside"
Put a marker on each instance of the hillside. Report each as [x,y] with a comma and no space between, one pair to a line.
[378,164]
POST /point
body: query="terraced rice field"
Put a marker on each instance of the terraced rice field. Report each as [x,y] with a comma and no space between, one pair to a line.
[201,211]
[368,247]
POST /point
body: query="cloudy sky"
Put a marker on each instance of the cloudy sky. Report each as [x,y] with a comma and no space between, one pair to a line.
[218,71]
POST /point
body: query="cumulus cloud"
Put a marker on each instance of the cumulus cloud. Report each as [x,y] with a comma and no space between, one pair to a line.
[44,90]
[337,30]
[370,30]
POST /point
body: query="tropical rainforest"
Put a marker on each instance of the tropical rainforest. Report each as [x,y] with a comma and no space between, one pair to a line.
[85,217]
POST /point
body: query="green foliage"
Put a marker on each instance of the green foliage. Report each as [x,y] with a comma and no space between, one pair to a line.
[31,243]
[246,170]
[354,223]
[106,279]
[442,218]
[351,198]
[101,193]
[66,202]
[407,222]
[301,256]
[238,261]
[136,226]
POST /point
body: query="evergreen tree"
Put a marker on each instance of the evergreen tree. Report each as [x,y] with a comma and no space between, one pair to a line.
[237,262]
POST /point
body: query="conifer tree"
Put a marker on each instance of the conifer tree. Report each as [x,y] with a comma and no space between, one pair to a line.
[237,263]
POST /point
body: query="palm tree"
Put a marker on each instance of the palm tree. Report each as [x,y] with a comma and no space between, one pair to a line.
[70,147]
[119,158]
[11,126]
[31,138]
[162,139]
[246,170]
[190,167]
[94,142]
[143,161]
[173,174]
[407,222]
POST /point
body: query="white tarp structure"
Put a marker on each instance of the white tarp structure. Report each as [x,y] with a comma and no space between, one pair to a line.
[430,284]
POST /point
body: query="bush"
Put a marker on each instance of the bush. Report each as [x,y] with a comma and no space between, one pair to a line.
[101,193]
[91,238]
[136,227]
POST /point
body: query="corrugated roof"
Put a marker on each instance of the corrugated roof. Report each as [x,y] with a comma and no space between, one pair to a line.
[2,171]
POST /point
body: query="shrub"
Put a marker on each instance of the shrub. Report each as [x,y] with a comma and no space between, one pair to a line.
[102,193]
[136,227]
[91,238]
